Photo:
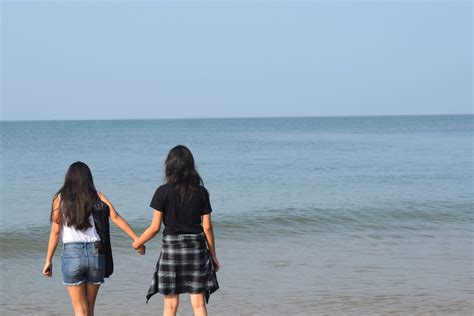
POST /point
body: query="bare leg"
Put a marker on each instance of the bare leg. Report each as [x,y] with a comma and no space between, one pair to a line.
[92,290]
[170,305]
[78,296]
[198,301]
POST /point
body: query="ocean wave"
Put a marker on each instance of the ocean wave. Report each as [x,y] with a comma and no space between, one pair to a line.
[398,223]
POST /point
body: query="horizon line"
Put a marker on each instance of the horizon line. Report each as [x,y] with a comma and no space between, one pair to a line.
[227,117]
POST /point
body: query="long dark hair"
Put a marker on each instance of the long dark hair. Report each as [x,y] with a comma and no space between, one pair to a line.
[181,172]
[78,195]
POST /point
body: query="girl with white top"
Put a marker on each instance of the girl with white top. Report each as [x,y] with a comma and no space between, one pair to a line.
[82,259]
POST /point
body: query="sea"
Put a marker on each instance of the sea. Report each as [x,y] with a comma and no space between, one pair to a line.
[361,215]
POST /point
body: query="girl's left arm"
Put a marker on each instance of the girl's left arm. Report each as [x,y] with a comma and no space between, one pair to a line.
[117,219]
[151,231]
[53,238]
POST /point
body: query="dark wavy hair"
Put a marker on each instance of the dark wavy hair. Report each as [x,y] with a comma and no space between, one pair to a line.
[77,197]
[181,172]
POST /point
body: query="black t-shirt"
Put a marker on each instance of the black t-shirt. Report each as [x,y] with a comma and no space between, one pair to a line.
[181,217]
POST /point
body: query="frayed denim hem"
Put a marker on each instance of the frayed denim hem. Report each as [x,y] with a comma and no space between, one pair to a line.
[74,284]
[82,282]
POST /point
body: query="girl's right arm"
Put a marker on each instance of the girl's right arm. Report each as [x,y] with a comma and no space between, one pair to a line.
[209,232]
[117,219]
[120,222]
[53,238]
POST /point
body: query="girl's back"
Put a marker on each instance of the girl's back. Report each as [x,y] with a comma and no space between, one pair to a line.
[181,216]
[188,261]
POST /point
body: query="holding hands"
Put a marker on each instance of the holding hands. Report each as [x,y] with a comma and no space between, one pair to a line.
[140,248]
[149,233]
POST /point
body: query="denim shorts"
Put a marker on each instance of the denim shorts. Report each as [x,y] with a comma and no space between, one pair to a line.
[82,262]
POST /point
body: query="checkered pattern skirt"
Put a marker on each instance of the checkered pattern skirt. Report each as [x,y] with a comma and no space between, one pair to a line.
[184,266]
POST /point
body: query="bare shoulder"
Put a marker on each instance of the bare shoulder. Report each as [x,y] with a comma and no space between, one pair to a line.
[55,201]
[103,197]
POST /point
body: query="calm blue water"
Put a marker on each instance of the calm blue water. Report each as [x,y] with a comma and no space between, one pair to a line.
[356,215]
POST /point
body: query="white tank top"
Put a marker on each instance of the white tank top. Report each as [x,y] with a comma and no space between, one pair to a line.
[70,234]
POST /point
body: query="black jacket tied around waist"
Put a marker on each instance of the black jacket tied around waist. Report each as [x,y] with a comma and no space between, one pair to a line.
[100,213]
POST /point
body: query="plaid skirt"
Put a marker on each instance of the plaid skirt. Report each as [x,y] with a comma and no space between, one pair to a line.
[184,266]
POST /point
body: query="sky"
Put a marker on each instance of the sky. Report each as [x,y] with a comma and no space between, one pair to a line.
[206,59]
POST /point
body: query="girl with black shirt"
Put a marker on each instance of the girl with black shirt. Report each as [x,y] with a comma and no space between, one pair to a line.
[188,261]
